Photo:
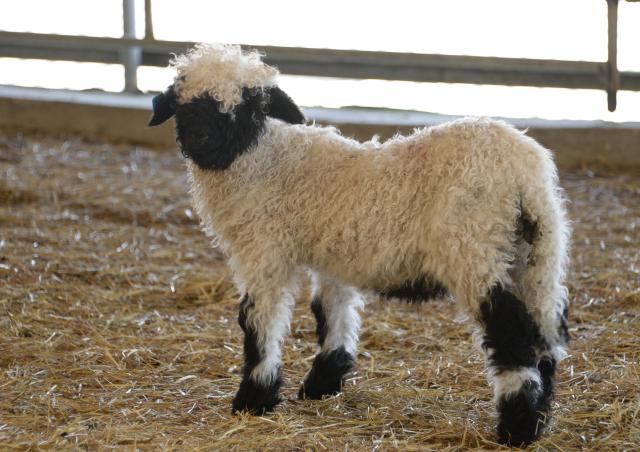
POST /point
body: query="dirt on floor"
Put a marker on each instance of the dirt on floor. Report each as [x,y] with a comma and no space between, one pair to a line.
[118,325]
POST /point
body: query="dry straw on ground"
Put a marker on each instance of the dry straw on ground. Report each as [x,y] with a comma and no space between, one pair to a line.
[118,325]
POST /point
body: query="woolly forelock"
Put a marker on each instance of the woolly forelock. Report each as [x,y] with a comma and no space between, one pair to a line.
[222,71]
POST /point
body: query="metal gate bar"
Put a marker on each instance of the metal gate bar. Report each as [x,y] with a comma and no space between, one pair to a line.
[133,52]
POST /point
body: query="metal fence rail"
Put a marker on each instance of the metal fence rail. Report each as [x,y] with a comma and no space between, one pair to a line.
[132,53]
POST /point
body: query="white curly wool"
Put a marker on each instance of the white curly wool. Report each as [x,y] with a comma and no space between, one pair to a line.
[472,205]
[222,71]
[442,202]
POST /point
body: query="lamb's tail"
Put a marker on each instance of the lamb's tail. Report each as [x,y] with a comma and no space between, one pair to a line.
[545,226]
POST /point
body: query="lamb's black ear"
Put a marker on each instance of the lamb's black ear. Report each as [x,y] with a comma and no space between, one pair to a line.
[164,106]
[281,106]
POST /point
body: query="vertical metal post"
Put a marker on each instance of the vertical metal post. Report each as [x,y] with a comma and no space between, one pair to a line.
[148,21]
[613,77]
[132,56]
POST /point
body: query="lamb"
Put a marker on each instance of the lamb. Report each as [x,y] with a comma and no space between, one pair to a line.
[470,208]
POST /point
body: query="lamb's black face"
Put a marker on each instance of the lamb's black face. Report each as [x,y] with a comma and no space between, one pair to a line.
[213,139]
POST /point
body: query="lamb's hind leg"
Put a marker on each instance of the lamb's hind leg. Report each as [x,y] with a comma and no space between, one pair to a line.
[522,381]
[335,307]
[526,323]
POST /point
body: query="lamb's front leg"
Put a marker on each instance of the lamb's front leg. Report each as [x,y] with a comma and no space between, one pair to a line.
[265,322]
[335,307]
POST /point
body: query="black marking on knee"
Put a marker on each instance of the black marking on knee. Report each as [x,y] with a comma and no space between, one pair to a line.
[321,320]
[522,415]
[254,397]
[251,353]
[510,331]
[422,289]
[564,324]
[327,373]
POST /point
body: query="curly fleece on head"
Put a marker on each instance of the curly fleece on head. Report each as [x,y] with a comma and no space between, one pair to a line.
[222,71]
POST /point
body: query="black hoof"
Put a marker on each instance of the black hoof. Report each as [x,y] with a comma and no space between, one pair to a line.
[523,415]
[255,398]
[326,375]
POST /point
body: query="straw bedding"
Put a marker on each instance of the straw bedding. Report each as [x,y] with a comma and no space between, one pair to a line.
[118,325]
